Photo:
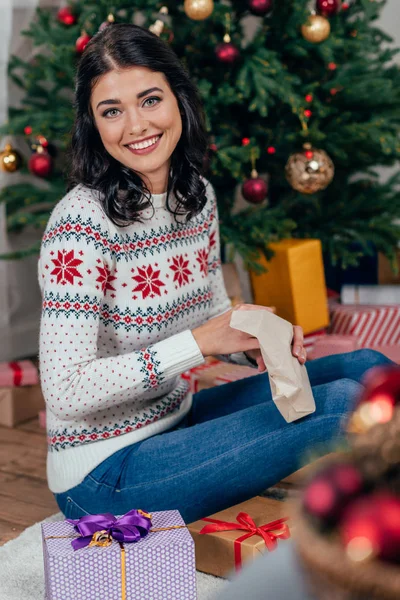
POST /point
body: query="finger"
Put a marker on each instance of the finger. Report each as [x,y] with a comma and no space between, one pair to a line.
[261,364]
[302,358]
[298,339]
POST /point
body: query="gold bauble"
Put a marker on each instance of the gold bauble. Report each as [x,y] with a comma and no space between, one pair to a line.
[316,30]
[10,159]
[309,174]
[198,9]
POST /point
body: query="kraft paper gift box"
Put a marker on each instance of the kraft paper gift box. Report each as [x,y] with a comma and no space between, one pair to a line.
[20,395]
[294,283]
[373,325]
[216,372]
[333,344]
[160,565]
[221,552]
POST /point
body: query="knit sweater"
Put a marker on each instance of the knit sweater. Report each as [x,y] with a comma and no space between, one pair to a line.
[119,307]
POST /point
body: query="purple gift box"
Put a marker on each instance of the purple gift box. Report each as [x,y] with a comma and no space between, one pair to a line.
[159,566]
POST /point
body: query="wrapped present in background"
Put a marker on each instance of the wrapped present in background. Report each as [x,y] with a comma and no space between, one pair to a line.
[333,344]
[130,563]
[294,284]
[20,373]
[21,397]
[372,325]
[42,419]
[232,283]
[370,294]
[216,372]
[311,338]
[385,271]
[226,540]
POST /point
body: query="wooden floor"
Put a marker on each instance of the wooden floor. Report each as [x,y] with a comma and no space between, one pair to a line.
[24,495]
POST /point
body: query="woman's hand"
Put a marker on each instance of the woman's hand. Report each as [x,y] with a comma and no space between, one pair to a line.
[298,350]
[217,337]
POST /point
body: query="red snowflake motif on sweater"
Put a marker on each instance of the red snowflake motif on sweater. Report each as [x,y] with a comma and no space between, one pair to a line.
[181,271]
[213,241]
[148,281]
[66,265]
[105,278]
[202,259]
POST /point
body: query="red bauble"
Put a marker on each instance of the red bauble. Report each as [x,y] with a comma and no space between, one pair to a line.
[227,53]
[255,190]
[260,7]
[40,164]
[328,494]
[82,42]
[65,16]
[371,527]
[381,394]
[327,8]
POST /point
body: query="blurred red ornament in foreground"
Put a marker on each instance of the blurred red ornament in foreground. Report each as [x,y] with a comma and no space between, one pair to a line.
[371,528]
[329,493]
[380,396]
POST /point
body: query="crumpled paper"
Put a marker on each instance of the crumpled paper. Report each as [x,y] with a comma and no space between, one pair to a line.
[290,385]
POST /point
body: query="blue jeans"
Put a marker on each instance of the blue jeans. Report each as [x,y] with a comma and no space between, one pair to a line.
[232,445]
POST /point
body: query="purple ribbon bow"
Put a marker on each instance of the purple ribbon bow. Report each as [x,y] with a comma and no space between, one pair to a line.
[129,528]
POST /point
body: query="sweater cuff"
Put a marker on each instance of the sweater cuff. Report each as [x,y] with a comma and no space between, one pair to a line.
[178,353]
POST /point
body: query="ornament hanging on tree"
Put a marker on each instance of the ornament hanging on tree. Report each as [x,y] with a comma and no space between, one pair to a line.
[227,52]
[260,7]
[198,10]
[66,16]
[160,26]
[105,24]
[10,159]
[328,8]
[309,171]
[40,163]
[316,30]
[254,190]
[82,42]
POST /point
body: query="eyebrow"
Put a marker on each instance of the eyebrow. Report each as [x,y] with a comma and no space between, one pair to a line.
[140,95]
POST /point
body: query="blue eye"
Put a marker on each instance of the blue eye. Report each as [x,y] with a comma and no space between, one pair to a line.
[108,112]
[152,98]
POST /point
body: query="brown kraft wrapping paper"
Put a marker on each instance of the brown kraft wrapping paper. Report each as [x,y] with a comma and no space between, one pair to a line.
[19,404]
[215,551]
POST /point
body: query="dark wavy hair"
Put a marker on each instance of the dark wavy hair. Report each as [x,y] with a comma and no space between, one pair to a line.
[122,191]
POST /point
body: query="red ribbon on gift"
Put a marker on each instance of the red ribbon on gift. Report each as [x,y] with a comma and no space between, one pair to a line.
[269,532]
[17,373]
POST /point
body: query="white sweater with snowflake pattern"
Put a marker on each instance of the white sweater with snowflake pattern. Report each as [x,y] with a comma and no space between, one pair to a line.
[119,304]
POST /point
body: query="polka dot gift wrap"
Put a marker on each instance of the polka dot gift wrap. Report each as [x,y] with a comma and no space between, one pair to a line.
[160,566]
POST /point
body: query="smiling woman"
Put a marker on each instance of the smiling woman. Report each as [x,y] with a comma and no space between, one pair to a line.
[133,297]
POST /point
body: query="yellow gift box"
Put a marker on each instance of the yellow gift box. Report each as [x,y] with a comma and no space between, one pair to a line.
[294,283]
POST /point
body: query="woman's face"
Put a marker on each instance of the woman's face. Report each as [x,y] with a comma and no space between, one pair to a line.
[129,110]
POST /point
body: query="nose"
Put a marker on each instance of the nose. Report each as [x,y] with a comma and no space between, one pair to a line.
[137,125]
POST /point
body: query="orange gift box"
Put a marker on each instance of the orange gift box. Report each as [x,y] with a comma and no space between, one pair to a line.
[294,283]
[231,537]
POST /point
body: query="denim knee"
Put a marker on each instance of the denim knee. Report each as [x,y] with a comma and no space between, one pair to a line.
[370,358]
[345,394]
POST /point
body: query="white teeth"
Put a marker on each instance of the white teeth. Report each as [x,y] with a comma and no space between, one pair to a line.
[145,144]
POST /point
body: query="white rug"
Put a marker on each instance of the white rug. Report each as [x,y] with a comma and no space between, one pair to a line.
[21,563]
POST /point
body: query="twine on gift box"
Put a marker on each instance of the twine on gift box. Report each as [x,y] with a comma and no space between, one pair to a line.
[104,538]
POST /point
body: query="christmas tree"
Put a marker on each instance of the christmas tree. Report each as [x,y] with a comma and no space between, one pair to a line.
[300,112]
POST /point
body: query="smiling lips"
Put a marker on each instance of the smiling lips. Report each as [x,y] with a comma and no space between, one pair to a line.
[146,146]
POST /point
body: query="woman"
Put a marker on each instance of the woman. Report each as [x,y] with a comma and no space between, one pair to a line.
[133,296]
